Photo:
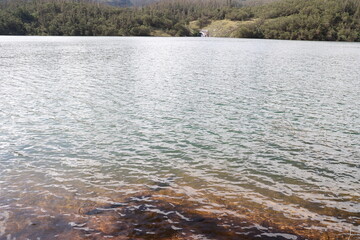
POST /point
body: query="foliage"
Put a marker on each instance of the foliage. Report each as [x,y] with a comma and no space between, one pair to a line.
[284,19]
[309,20]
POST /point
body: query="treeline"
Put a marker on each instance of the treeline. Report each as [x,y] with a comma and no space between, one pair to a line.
[82,18]
[333,20]
[337,20]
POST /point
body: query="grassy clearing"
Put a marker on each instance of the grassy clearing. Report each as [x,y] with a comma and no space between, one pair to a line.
[221,28]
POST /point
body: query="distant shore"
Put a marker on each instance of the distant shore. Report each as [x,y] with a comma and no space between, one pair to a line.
[284,19]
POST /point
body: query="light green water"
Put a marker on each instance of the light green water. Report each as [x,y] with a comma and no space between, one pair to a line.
[178,138]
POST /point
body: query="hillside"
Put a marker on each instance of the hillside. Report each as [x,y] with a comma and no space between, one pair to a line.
[128,3]
[291,19]
[137,3]
[331,20]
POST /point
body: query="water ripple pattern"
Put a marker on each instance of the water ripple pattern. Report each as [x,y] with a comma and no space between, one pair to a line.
[263,126]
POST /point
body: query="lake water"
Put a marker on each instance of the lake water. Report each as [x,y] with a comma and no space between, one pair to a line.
[179,138]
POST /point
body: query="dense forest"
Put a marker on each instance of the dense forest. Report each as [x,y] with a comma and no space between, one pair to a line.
[336,20]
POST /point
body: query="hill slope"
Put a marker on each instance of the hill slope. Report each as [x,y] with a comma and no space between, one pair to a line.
[129,3]
[284,19]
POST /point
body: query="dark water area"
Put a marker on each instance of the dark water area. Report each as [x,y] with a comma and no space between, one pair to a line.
[179,138]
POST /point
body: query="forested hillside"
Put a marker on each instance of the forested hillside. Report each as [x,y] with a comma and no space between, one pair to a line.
[137,3]
[307,20]
[337,20]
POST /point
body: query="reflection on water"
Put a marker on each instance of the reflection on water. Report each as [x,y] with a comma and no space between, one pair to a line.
[178,138]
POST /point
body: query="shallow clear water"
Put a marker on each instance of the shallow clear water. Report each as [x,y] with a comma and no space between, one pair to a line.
[179,138]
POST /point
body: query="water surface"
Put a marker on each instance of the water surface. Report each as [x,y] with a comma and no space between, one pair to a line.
[179,138]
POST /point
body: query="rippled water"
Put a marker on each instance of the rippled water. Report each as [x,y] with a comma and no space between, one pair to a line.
[179,138]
